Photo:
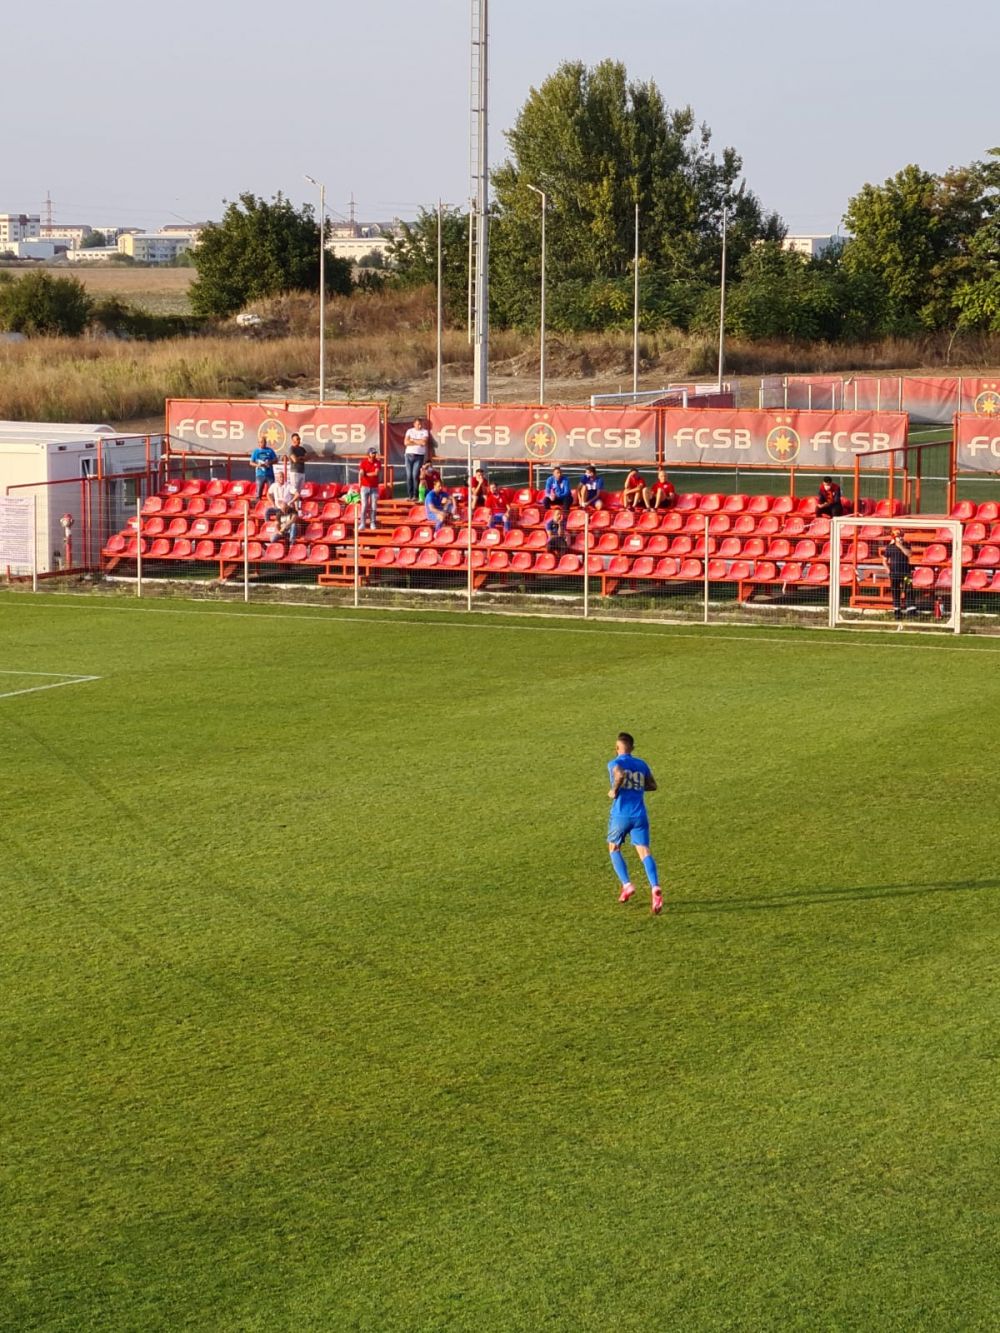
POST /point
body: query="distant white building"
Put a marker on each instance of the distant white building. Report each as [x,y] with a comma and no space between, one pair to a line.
[813,247]
[34,249]
[93,254]
[76,233]
[191,230]
[19,227]
[356,247]
[153,247]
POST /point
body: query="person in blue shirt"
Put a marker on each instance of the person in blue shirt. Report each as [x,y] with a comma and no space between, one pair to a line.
[591,492]
[439,505]
[558,491]
[631,778]
[263,460]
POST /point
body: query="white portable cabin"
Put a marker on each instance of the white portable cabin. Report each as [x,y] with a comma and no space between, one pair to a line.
[35,455]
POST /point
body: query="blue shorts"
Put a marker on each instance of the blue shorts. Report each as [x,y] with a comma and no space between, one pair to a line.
[637,829]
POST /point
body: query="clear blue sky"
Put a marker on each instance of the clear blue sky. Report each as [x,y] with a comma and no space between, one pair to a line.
[145,116]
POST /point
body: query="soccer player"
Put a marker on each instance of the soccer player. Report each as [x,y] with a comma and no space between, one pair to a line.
[631,778]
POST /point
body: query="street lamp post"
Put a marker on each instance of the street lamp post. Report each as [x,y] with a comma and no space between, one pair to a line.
[322,286]
[541,337]
[722,298]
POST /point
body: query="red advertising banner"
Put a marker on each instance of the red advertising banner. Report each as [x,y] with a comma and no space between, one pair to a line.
[977,441]
[544,434]
[778,438]
[927,399]
[225,426]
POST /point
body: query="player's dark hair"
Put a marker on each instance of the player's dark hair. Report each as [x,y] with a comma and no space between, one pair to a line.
[626,739]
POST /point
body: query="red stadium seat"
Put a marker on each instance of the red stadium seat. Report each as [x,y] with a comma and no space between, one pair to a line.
[768,525]
[819,527]
[570,564]
[428,558]
[492,537]
[923,577]
[231,550]
[687,502]
[222,527]
[695,523]
[643,567]
[182,549]
[817,573]
[701,546]
[719,524]
[740,571]
[624,520]
[386,556]
[205,549]
[608,543]
[988,557]
[514,538]
[729,548]
[274,553]
[423,536]
[718,570]
[805,549]
[935,554]
[779,549]
[521,561]
[963,511]
[690,569]
[753,548]
[619,565]
[153,504]
[648,521]
[531,517]
[633,544]
[152,527]
[988,512]
[545,563]
[192,486]
[994,582]
[197,505]
[681,546]
[657,544]
[535,541]
[160,548]
[806,506]
[783,504]
[336,532]
[943,580]
[791,571]
[793,526]
[445,535]
[744,525]
[177,527]
[497,561]
[759,504]
[320,554]
[975,531]
[976,580]
[201,527]
[406,557]
[671,521]
[595,565]
[765,571]
[711,504]
[735,504]
[666,568]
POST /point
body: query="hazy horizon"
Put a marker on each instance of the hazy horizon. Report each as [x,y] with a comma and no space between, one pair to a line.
[149,122]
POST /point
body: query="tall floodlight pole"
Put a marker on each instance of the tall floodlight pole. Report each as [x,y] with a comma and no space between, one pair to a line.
[541,318]
[480,134]
[322,287]
[440,306]
[722,299]
[635,309]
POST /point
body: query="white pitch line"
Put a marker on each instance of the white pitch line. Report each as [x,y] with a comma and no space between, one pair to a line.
[35,689]
[861,638]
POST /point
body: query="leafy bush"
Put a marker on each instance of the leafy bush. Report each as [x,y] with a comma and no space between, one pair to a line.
[38,303]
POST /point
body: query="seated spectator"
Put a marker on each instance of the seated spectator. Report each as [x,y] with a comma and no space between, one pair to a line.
[590,494]
[634,493]
[479,489]
[288,522]
[557,541]
[279,494]
[428,476]
[663,495]
[501,513]
[558,491]
[438,505]
[829,499]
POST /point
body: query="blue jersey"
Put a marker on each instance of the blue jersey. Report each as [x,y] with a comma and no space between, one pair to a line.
[264,458]
[630,803]
[558,488]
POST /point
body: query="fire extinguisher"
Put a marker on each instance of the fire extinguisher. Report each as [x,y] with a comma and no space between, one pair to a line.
[67,527]
[938,609]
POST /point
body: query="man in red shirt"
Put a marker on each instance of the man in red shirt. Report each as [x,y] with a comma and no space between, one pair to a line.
[829,500]
[634,494]
[663,495]
[501,513]
[369,472]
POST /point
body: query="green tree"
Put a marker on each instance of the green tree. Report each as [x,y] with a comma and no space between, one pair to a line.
[95,239]
[598,144]
[413,256]
[260,248]
[39,303]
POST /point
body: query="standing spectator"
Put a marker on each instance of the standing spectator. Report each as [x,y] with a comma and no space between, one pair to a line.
[369,472]
[295,467]
[479,489]
[591,491]
[429,474]
[263,460]
[557,542]
[829,499]
[663,495]
[501,513]
[558,491]
[897,558]
[439,505]
[416,452]
[634,493]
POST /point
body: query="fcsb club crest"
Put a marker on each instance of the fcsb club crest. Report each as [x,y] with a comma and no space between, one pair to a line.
[271,432]
[988,403]
[541,440]
[783,444]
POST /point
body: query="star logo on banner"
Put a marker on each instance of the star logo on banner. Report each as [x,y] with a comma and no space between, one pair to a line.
[988,403]
[783,444]
[541,440]
[271,432]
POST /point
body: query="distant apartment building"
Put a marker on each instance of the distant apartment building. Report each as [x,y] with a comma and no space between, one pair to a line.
[813,247]
[75,234]
[34,249]
[93,254]
[153,247]
[19,227]
[355,248]
[191,230]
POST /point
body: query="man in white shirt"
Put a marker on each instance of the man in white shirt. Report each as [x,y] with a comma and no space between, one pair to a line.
[416,445]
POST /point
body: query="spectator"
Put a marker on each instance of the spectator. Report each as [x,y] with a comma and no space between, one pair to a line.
[558,491]
[416,452]
[501,513]
[439,505]
[479,488]
[263,460]
[295,468]
[288,522]
[429,474]
[897,557]
[557,542]
[369,472]
[829,499]
[663,495]
[591,492]
[284,510]
[634,493]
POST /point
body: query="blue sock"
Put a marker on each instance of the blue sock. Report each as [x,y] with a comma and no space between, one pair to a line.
[652,874]
[619,866]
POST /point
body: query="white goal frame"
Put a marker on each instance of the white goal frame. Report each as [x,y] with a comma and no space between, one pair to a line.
[841,527]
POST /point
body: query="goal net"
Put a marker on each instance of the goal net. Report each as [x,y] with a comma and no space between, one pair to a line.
[902,570]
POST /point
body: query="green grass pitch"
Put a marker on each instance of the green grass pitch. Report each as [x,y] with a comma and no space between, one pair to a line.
[319,1011]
